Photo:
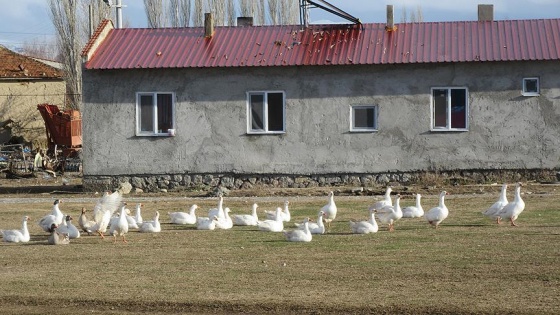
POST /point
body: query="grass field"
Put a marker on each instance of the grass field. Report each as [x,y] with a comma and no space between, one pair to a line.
[469,265]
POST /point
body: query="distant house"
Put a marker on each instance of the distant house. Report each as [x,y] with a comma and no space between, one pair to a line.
[24,83]
[323,105]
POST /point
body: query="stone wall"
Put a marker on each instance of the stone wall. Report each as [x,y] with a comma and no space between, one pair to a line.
[163,183]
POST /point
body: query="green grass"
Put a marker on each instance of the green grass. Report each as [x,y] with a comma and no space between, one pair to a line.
[467,266]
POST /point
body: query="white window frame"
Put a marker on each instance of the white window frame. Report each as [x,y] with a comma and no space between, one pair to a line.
[524,91]
[265,129]
[155,132]
[353,127]
[448,125]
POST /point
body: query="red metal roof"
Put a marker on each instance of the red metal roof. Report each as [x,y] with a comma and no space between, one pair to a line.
[336,44]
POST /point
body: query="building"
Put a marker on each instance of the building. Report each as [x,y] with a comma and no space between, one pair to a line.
[323,105]
[24,83]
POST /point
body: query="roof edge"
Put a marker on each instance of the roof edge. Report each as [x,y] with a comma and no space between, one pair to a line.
[96,39]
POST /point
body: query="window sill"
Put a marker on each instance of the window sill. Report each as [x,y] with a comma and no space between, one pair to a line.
[531,94]
[363,130]
[449,130]
[154,135]
[253,133]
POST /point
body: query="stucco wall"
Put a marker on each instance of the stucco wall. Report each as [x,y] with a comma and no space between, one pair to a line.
[18,102]
[506,130]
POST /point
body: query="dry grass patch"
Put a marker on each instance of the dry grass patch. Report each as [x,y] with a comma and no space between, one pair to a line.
[467,266]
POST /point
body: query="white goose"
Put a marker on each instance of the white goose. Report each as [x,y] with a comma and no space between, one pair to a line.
[226,223]
[365,227]
[276,225]
[390,214]
[494,210]
[17,236]
[56,216]
[436,215]
[206,223]
[330,210]
[138,213]
[386,200]
[85,224]
[285,214]
[104,209]
[219,211]
[57,238]
[247,219]
[120,227]
[151,226]
[68,228]
[414,211]
[131,220]
[299,235]
[513,209]
[184,217]
[315,228]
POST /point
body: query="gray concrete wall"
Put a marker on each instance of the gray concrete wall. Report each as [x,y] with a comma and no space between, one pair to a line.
[506,130]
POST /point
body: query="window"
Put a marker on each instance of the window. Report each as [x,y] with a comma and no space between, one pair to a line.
[449,108]
[531,87]
[266,112]
[363,118]
[154,114]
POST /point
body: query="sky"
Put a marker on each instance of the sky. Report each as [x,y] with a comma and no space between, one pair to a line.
[28,20]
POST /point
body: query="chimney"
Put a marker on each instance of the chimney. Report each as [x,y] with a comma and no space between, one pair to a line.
[244,21]
[208,25]
[485,12]
[390,19]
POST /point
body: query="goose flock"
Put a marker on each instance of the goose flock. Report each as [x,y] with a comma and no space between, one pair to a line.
[111,216]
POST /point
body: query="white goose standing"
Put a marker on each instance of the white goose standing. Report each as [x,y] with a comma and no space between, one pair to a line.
[513,209]
[17,236]
[120,227]
[390,214]
[414,211]
[365,227]
[436,215]
[494,210]
[103,210]
[330,210]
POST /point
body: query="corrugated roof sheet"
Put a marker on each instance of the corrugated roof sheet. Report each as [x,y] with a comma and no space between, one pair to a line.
[16,66]
[336,44]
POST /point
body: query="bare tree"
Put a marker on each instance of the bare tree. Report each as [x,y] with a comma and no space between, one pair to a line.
[45,49]
[64,17]
[247,8]
[218,10]
[199,9]
[289,12]
[184,12]
[412,17]
[274,12]
[230,12]
[154,12]
[260,13]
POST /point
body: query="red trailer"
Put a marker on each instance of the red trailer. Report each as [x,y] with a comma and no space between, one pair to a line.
[64,129]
